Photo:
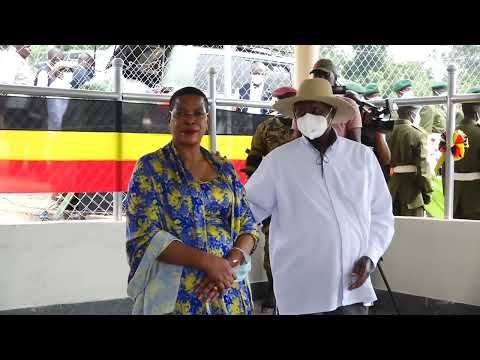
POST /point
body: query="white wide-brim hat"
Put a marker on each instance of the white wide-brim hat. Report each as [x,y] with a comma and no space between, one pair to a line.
[319,90]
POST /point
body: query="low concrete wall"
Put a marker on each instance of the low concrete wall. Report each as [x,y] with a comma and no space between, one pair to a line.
[434,258]
[62,262]
[68,262]
[83,261]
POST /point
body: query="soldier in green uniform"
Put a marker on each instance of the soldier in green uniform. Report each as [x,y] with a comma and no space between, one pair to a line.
[403,89]
[439,120]
[270,134]
[409,184]
[466,198]
[440,111]
[356,87]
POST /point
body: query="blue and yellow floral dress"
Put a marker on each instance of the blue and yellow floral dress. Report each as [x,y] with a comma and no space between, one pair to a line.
[165,203]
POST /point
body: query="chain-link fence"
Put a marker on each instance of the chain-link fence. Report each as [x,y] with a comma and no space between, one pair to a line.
[162,69]
[385,64]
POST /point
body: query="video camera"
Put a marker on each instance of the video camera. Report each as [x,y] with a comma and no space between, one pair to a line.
[339,89]
[372,115]
[376,116]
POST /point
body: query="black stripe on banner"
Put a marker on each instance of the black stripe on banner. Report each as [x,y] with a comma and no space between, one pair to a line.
[36,113]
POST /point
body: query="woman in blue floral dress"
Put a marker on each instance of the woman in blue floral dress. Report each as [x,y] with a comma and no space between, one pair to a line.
[189,228]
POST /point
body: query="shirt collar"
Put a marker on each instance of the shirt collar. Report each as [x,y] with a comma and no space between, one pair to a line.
[331,148]
[403,122]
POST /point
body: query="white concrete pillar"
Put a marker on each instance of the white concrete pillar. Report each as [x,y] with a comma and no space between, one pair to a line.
[305,57]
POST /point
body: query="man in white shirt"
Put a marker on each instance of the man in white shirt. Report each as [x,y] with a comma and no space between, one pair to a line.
[62,79]
[14,68]
[331,209]
[55,74]
[45,75]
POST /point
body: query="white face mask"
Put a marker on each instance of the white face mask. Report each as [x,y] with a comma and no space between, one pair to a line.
[257,79]
[312,126]
[408,94]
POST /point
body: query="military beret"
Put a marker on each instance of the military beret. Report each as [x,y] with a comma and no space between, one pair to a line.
[354,86]
[474,90]
[401,84]
[284,91]
[439,85]
[371,88]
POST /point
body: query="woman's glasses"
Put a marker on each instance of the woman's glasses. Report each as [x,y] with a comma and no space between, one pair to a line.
[197,115]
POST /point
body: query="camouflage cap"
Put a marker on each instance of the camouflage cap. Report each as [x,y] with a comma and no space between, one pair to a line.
[354,86]
[439,85]
[401,84]
[371,89]
[324,65]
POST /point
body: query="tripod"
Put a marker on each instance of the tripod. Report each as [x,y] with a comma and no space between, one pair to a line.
[384,278]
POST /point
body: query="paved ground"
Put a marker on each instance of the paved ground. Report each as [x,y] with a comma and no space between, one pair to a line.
[112,307]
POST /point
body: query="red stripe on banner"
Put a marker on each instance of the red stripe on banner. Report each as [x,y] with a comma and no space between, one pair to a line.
[17,176]
[238,165]
[32,176]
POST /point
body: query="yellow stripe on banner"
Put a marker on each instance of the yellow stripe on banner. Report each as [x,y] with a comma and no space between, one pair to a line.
[63,145]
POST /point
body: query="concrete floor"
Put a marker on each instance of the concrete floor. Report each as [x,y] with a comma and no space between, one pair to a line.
[408,304]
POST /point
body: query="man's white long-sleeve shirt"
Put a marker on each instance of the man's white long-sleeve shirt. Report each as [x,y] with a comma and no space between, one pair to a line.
[321,223]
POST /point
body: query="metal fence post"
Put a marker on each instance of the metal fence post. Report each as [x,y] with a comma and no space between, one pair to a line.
[449,163]
[117,88]
[212,123]
[227,71]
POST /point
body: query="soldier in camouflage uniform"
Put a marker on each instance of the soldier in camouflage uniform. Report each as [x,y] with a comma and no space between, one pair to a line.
[409,184]
[270,134]
[466,198]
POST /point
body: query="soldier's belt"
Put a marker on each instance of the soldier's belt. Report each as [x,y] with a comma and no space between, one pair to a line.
[466,176]
[400,169]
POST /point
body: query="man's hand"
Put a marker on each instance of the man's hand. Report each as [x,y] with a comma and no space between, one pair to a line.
[427,198]
[361,271]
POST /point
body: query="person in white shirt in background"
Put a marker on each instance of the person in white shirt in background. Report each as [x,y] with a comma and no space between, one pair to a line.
[45,74]
[14,68]
[55,74]
[62,79]
[331,209]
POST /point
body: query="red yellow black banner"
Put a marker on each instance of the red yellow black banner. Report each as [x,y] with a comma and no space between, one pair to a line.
[58,161]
